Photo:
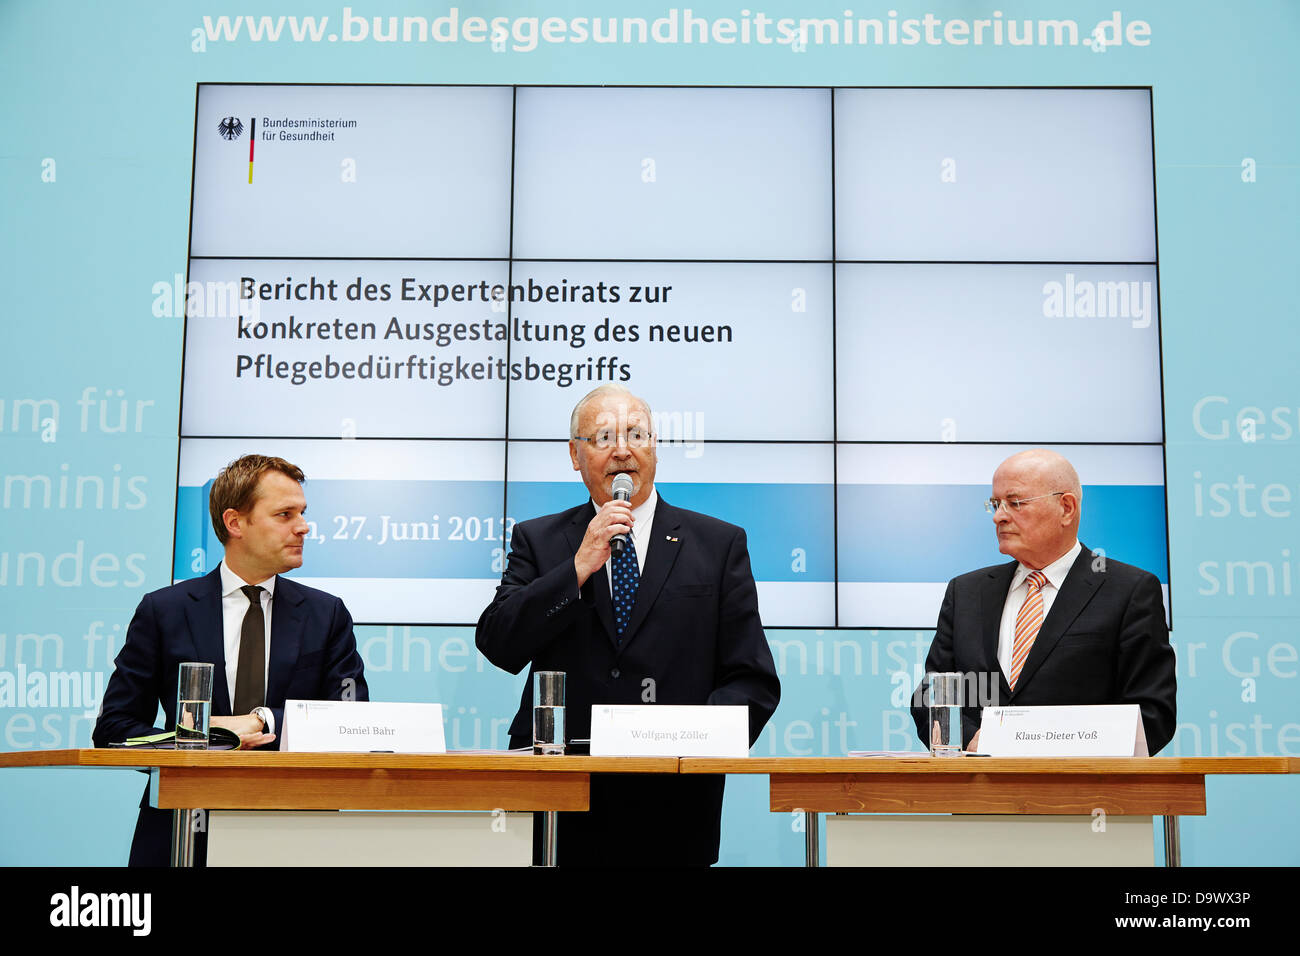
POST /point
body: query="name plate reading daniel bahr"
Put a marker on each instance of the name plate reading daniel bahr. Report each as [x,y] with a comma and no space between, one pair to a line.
[357,726]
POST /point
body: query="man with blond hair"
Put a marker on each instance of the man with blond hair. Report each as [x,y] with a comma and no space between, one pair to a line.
[671,619]
[270,638]
[1055,625]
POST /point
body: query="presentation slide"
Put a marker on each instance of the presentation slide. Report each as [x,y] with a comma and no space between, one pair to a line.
[406,289]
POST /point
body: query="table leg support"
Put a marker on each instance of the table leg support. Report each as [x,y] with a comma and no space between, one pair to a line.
[1173,847]
[549,842]
[182,838]
[812,839]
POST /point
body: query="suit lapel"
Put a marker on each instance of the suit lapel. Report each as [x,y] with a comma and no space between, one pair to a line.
[993,601]
[204,615]
[597,585]
[286,638]
[1078,588]
[661,554]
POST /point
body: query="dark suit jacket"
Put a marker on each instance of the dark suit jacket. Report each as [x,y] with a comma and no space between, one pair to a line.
[694,637]
[1103,642]
[313,657]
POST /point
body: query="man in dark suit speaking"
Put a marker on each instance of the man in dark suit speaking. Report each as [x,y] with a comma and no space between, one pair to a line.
[1056,625]
[679,625]
[270,638]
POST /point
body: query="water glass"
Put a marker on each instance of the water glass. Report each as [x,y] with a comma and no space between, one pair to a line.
[944,691]
[193,705]
[548,712]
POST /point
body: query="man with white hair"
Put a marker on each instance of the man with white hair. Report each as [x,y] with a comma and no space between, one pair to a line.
[671,619]
[1056,625]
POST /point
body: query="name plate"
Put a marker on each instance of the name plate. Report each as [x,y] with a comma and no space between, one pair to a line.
[362,726]
[669,730]
[1096,730]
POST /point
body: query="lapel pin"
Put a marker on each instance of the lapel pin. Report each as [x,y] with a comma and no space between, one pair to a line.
[670,537]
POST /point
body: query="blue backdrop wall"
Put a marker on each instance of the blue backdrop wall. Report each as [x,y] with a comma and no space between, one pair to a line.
[97,111]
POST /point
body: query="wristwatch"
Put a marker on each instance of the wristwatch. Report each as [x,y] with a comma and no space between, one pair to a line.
[266,717]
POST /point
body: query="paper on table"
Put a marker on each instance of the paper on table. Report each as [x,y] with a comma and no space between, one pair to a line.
[888,753]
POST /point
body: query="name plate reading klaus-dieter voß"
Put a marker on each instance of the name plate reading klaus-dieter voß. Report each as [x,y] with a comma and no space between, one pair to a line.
[669,730]
[1095,730]
[360,726]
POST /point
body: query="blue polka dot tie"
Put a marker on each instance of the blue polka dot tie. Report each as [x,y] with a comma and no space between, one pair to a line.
[626,577]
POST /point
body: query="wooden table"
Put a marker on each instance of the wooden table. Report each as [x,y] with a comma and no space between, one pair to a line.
[269,780]
[266,780]
[1158,786]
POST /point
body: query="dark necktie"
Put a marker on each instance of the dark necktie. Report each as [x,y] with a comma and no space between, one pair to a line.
[626,577]
[250,673]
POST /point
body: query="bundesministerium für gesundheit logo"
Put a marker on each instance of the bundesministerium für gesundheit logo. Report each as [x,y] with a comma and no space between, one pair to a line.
[230,128]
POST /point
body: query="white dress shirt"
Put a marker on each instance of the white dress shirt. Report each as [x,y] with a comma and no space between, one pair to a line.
[1055,572]
[643,517]
[234,605]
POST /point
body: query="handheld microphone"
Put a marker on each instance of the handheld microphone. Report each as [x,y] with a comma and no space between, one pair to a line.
[622,489]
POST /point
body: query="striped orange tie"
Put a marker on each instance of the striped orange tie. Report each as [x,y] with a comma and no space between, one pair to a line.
[1028,622]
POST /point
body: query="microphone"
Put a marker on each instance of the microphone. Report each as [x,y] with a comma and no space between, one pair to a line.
[622,489]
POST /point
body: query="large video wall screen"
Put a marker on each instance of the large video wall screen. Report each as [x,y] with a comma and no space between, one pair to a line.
[844,305]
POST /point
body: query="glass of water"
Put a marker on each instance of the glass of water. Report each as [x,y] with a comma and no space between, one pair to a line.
[945,692]
[193,705]
[548,712]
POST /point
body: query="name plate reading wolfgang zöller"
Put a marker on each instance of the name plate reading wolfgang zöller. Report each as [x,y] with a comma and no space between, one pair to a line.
[669,730]
[1095,730]
[362,726]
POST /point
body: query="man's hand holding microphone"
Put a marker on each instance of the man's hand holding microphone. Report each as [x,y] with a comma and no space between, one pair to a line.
[607,531]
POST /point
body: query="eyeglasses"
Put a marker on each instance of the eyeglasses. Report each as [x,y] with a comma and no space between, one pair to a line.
[605,438]
[1015,504]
